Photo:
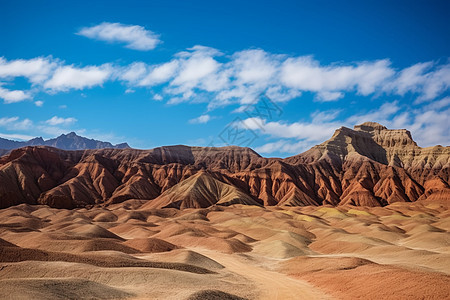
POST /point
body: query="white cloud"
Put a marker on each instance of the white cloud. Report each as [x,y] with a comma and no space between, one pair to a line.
[14,123]
[410,79]
[51,131]
[298,130]
[280,94]
[199,64]
[431,127]
[36,70]
[241,77]
[327,96]
[13,96]
[157,97]
[439,104]
[436,82]
[307,74]
[60,121]
[160,73]
[69,77]
[381,115]
[423,79]
[204,74]
[201,119]
[39,103]
[324,116]
[284,146]
[16,136]
[133,36]
[133,72]
[255,66]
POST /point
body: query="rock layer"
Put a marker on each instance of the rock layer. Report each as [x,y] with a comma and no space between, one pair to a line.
[369,165]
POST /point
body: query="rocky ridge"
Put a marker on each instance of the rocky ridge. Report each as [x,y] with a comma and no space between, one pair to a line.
[369,165]
[70,141]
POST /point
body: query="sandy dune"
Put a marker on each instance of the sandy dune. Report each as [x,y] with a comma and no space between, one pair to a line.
[401,251]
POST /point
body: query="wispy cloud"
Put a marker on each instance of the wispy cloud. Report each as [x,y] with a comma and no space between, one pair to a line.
[306,73]
[60,121]
[13,96]
[70,77]
[298,130]
[201,119]
[241,77]
[204,74]
[36,70]
[15,123]
[327,96]
[283,146]
[133,36]
[16,136]
[159,74]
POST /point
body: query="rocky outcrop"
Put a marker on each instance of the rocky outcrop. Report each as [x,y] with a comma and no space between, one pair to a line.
[369,165]
[200,191]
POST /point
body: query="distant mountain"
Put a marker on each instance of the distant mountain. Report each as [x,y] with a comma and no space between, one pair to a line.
[70,141]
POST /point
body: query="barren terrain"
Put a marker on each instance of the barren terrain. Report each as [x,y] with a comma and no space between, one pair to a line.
[401,251]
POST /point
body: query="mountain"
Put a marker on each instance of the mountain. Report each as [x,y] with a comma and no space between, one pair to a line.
[70,141]
[369,165]
[200,191]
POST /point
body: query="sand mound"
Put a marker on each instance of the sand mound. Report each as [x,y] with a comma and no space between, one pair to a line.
[292,238]
[222,245]
[14,254]
[131,231]
[101,245]
[194,216]
[150,245]
[132,215]
[47,289]
[213,295]
[54,243]
[105,217]
[174,229]
[277,249]
[428,240]
[372,281]
[189,257]
[91,231]
[304,264]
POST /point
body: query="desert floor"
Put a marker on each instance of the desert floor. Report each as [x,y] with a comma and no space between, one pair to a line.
[401,251]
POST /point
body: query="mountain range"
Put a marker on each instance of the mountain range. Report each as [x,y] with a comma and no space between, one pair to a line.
[70,141]
[368,165]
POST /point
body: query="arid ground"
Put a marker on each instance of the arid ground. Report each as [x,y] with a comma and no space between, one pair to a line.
[401,251]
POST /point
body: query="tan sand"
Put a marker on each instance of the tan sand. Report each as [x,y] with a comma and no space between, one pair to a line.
[401,251]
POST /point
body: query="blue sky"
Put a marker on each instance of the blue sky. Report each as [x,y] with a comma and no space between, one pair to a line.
[279,76]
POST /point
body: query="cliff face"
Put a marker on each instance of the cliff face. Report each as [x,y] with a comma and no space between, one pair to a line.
[369,165]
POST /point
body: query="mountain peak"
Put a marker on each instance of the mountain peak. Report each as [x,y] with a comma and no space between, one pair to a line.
[36,141]
[387,138]
[369,139]
[69,141]
[370,126]
[70,134]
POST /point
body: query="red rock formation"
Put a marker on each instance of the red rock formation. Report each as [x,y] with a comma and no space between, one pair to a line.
[370,165]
